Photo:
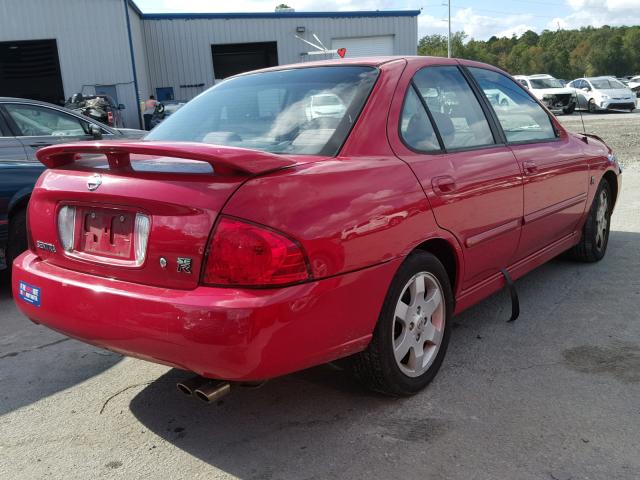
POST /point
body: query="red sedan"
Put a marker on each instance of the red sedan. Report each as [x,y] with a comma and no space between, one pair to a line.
[298,215]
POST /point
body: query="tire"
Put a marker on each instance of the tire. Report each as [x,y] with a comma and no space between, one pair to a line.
[569,110]
[17,238]
[425,325]
[591,106]
[595,233]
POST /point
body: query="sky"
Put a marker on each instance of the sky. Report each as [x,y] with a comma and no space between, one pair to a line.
[479,19]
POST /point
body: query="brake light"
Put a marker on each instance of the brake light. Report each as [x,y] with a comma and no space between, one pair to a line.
[67,226]
[245,254]
[110,118]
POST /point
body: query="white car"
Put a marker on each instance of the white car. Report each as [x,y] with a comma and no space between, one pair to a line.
[634,84]
[603,93]
[326,105]
[550,91]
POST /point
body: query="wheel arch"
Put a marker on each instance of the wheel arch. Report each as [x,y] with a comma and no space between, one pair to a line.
[19,201]
[447,254]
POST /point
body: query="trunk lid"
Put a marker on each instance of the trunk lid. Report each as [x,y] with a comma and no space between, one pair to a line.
[137,211]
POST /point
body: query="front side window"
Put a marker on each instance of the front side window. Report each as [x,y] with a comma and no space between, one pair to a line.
[415,127]
[297,111]
[455,109]
[35,121]
[521,117]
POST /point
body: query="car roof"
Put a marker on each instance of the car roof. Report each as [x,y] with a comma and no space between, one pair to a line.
[376,62]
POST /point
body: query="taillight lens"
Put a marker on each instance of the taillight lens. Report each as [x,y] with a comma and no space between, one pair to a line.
[141,236]
[244,254]
[110,118]
[67,226]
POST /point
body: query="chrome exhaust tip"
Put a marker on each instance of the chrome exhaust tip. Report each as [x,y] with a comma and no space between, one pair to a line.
[189,385]
[212,390]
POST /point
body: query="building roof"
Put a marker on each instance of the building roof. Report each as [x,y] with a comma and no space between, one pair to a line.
[284,14]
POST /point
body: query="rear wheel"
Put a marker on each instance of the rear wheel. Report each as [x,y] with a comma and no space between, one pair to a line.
[570,109]
[411,337]
[595,233]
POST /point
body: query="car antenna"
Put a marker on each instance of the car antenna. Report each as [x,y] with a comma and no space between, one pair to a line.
[584,130]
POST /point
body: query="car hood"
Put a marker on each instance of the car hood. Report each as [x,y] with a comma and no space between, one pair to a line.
[132,132]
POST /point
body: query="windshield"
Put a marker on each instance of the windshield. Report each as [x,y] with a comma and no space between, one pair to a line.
[606,84]
[545,83]
[278,112]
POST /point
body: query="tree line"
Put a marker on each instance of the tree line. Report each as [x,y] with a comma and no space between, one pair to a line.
[564,54]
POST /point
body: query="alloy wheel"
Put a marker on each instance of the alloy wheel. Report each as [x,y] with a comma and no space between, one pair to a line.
[419,324]
[602,222]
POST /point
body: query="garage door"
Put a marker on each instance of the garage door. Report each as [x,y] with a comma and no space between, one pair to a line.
[365,46]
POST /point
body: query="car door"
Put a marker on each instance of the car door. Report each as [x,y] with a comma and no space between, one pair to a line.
[555,170]
[472,181]
[38,126]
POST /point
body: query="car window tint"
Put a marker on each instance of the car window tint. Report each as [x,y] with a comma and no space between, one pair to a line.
[41,121]
[521,117]
[454,108]
[415,126]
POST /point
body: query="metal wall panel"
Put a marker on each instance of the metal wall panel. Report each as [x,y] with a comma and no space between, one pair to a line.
[92,42]
[179,49]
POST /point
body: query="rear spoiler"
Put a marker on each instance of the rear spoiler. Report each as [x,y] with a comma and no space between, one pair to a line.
[222,159]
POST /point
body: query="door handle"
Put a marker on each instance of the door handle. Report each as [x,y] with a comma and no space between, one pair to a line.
[443,185]
[530,167]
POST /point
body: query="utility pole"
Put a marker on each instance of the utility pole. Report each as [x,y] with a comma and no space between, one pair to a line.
[449,36]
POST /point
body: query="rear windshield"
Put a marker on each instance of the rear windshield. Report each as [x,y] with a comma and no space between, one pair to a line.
[298,111]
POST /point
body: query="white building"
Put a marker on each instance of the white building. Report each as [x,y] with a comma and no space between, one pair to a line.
[51,49]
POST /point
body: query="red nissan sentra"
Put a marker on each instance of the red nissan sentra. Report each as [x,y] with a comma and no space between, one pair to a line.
[298,215]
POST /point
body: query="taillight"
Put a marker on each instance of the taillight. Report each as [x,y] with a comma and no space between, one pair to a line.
[244,254]
[110,118]
[67,226]
[141,236]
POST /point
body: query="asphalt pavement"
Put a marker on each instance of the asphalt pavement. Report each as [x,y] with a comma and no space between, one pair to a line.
[554,395]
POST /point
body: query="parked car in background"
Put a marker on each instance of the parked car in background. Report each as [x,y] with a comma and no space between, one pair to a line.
[165,110]
[603,93]
[25,127]
[99,107]
[325,105]
[550,91]
[634,85]
[230,250]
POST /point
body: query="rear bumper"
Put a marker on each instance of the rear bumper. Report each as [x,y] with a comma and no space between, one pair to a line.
[226,333]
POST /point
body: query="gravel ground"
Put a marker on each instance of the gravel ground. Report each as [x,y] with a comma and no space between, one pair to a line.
[621,131]
[553,395]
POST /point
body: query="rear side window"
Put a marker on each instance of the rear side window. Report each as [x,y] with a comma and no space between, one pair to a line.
[415,127]
[454,107]
[521,117]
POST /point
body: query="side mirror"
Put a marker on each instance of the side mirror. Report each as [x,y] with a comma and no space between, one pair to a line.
[95,131]
[586,89]
[121,106]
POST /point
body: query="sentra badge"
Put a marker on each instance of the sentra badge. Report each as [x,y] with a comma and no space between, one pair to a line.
[49,247]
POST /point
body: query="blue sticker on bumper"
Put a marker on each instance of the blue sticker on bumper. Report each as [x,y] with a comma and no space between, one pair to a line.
[29,294]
